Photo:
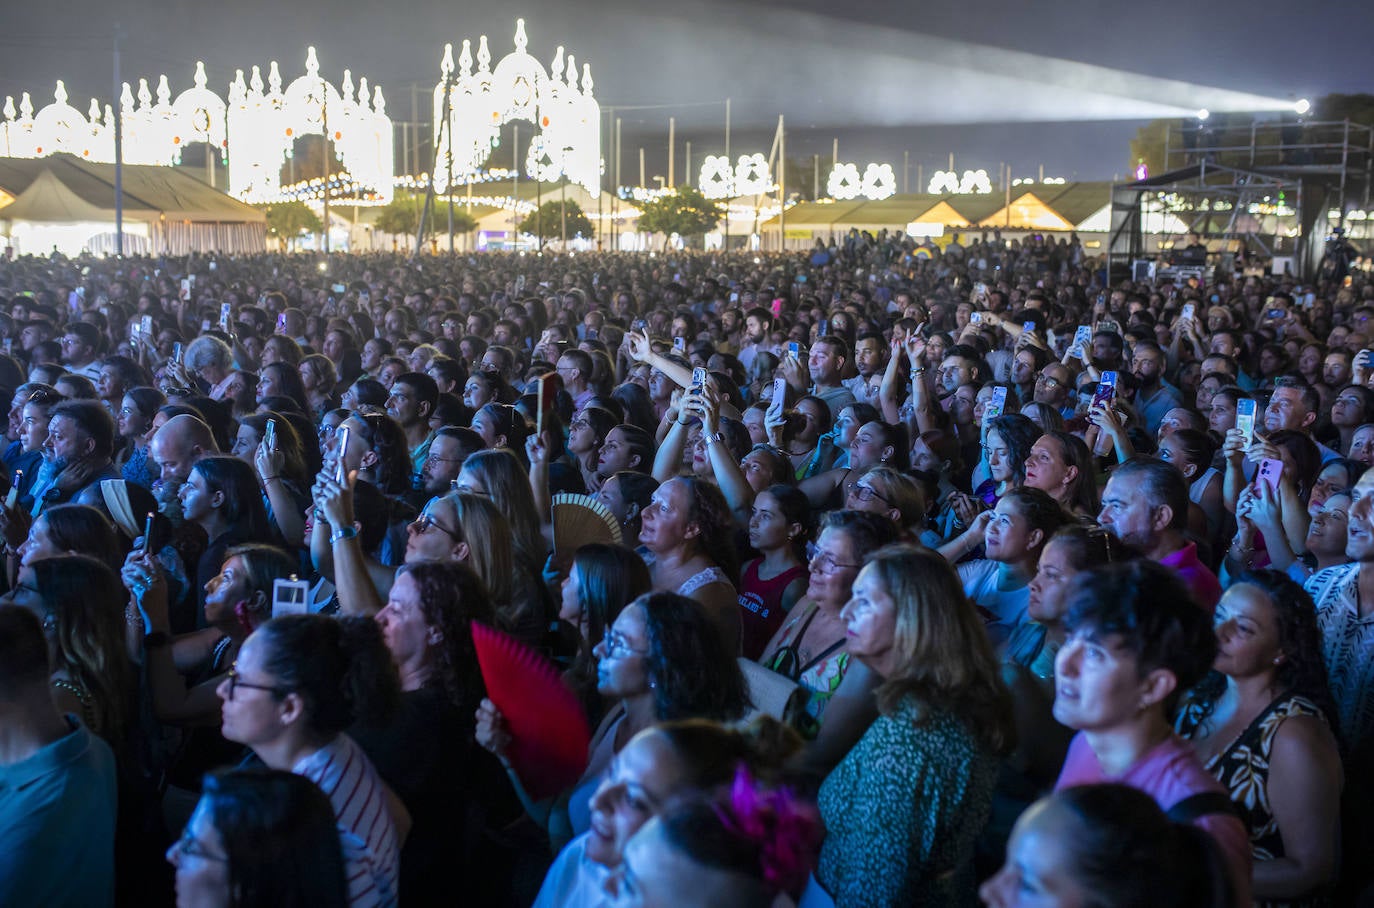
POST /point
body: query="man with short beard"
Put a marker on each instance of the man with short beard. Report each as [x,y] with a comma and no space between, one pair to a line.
[76,456]
[757,323]
[870,358]
[451,447]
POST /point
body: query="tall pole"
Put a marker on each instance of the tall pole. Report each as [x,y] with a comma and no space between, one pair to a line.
[429,185]
[616,192]
[782,185]
[324,125]
[687,171]
[816,176]
[672,150]
[641,167]
[415,119]
[835,153]
[726,245]
[119,154]
[515,186]
[906,172]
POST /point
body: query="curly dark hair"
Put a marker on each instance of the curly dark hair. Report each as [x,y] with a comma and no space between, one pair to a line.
[452,596]
[708,509]
[1303,670]
[692,672]
[1018,433]
[340,667]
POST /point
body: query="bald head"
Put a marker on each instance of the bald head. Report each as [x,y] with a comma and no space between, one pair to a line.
[179,444]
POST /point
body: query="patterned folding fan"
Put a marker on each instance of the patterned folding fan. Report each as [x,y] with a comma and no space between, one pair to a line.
[579,520]
[548,730]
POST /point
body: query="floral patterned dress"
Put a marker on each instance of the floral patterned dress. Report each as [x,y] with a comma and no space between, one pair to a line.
[1243,767]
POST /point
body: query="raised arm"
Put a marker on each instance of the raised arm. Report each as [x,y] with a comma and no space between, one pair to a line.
[358,595]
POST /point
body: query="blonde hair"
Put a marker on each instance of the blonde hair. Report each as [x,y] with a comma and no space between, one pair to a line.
[899,491]
[487,533]
[943,655]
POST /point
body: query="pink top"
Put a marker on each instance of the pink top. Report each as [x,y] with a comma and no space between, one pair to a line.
[1198,577]
[1169,773]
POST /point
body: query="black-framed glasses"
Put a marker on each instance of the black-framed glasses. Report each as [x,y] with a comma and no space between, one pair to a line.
[825,562]
[864,493]
[190,846]
[425,522]
[235,683]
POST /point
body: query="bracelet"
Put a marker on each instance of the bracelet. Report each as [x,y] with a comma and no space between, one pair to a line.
[343,533]
[267,479]
[709,438]
[919,371]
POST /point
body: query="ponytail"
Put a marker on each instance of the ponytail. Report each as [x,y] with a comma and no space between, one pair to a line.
[340,668]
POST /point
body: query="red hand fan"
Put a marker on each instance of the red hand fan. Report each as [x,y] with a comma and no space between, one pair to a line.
[549,732]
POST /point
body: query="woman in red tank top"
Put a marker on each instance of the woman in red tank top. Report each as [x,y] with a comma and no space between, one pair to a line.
[773,582]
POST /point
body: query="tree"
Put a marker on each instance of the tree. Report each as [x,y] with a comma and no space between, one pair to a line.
[546,222]
[685,212]
[288,221]
[402,216]
[1355,108]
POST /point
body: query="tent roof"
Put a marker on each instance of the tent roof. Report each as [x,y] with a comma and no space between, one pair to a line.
[1076,202]
[1027,212]
[149,191]
[942,213]
[49,199]
[893,211]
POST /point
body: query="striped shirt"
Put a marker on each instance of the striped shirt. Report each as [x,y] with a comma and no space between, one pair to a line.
[371,852]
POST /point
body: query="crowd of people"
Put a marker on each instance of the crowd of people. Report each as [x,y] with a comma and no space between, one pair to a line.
[934,574]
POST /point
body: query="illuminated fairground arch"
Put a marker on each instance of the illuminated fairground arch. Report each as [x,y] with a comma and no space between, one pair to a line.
[566,116]
[264,125]
[253,132]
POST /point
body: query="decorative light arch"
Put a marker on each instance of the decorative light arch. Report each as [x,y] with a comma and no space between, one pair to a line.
[877,183]
[562,108]
[750,175]
[263,127]
[260,125]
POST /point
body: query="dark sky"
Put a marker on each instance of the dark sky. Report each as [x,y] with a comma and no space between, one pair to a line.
[1063,84]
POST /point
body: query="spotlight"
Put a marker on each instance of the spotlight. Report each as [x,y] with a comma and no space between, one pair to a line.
[1203,114]
[1302,107]
[324,266]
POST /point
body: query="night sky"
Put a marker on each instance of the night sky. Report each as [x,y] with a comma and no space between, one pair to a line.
[1062,84]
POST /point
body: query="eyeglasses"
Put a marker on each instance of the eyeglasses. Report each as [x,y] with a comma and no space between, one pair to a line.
[1048,382]
[235,683]
[190,846]
[425,522]
[435,458]
[824,562]
[864,493]
[617,647]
